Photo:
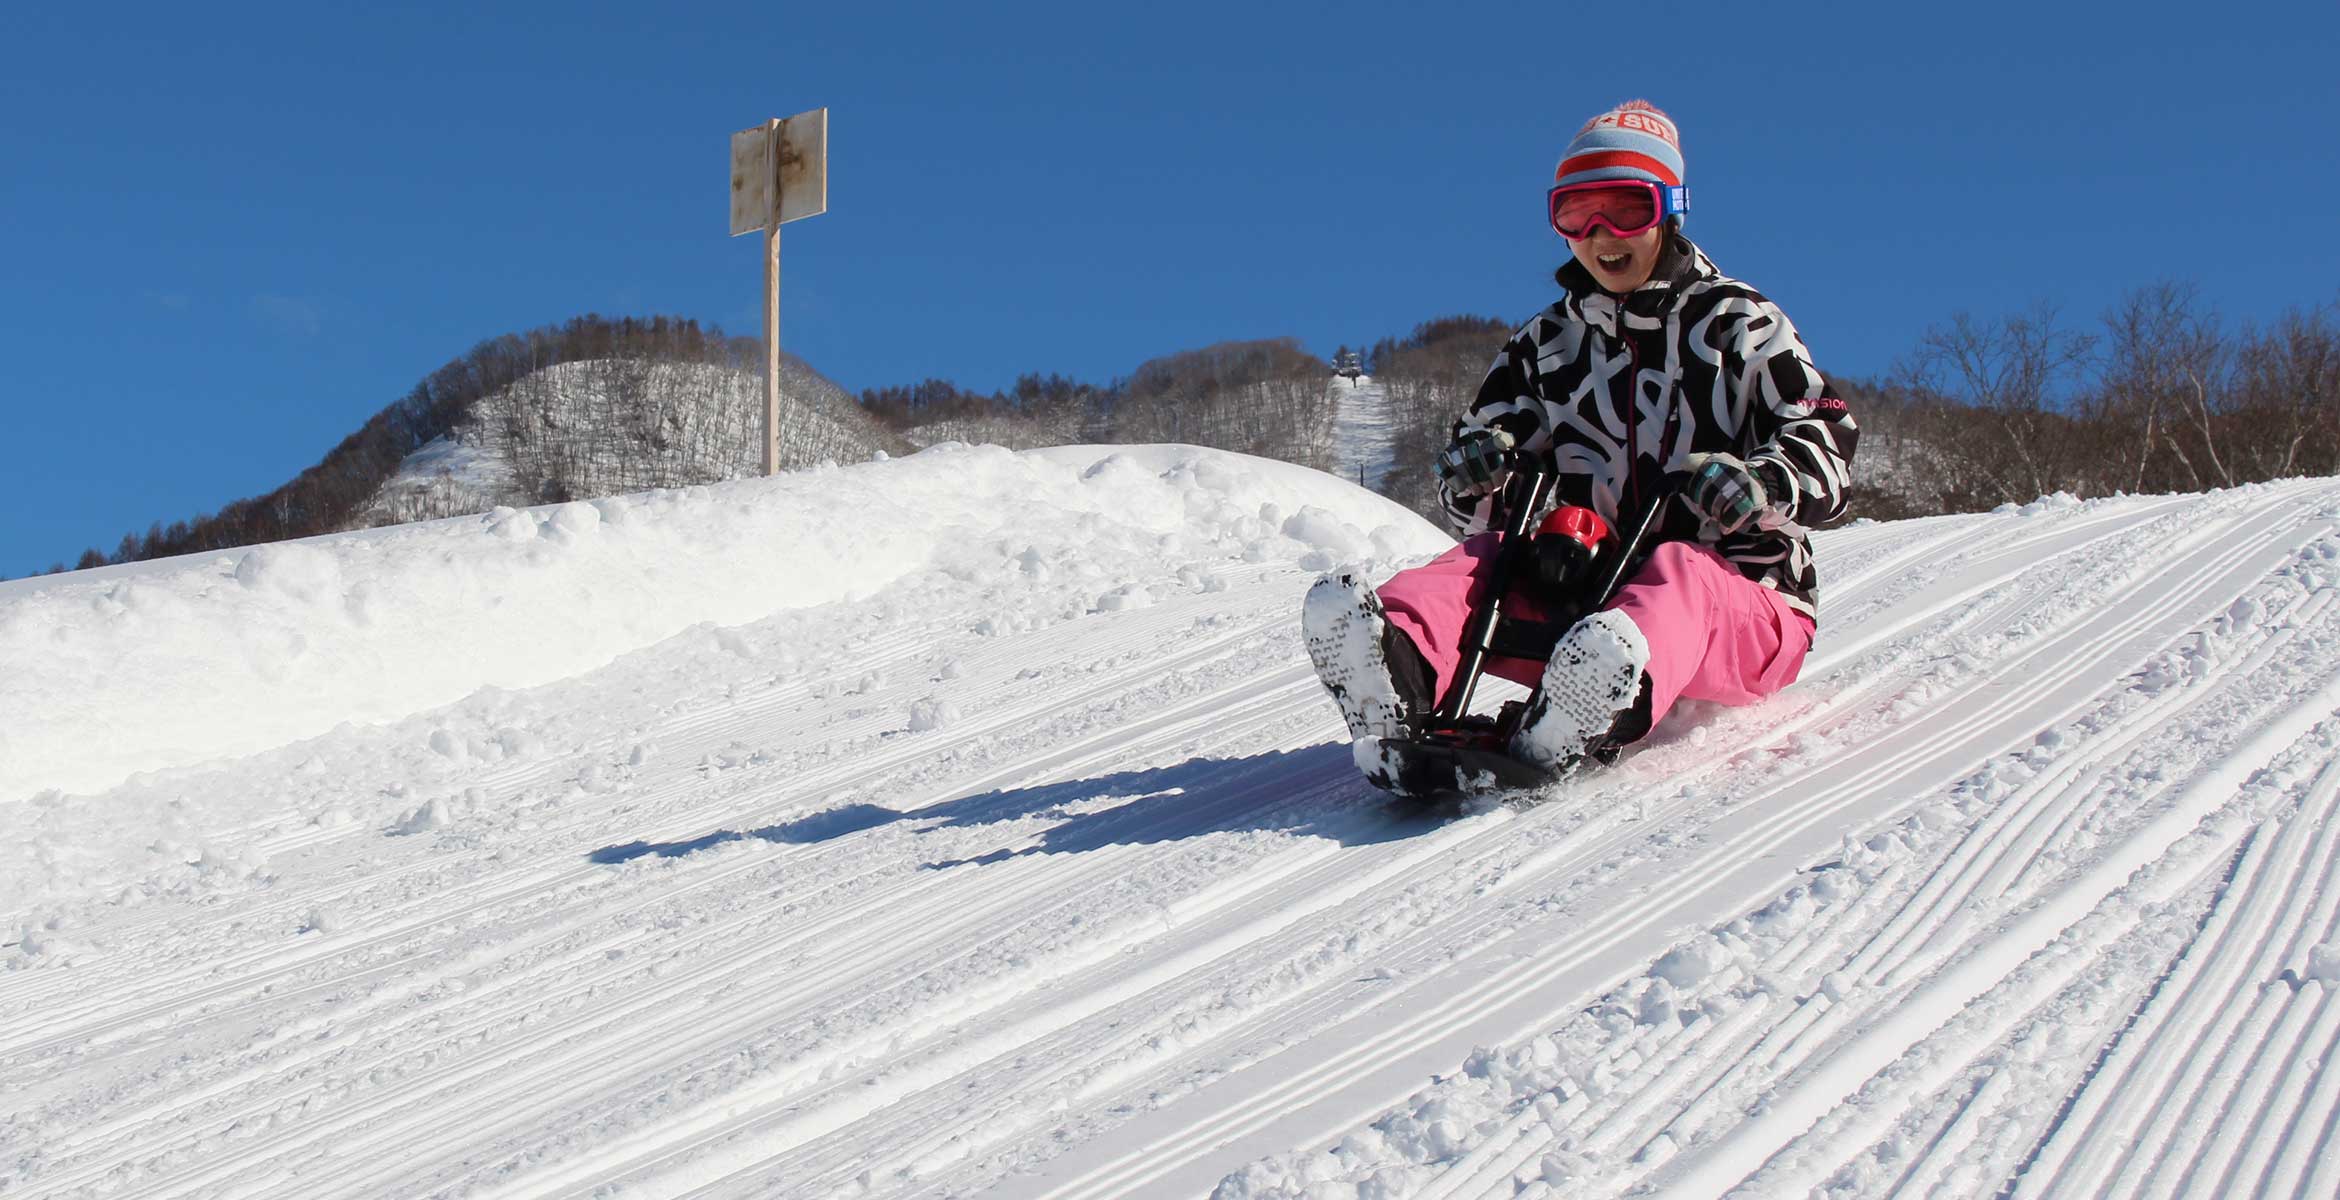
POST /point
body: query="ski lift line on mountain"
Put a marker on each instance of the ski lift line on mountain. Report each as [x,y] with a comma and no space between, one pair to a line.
[779,173]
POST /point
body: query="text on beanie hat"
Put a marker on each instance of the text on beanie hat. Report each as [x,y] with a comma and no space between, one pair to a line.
[1631,141]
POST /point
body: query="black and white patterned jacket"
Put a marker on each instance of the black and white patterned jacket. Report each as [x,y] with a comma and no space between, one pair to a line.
[1702,363]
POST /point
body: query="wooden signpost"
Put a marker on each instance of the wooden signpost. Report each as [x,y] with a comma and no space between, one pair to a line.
[779,173]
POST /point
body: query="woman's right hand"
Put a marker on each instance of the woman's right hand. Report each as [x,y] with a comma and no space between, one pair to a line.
[1477,463]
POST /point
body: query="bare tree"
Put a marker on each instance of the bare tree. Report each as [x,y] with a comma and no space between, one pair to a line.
[2163,360]
[2012,369]
[2285,387]
[1429,380]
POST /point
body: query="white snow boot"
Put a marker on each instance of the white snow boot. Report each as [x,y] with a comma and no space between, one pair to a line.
[1353,646]
[1594,699]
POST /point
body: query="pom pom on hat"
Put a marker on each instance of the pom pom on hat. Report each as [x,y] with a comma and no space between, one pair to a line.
[1631,141]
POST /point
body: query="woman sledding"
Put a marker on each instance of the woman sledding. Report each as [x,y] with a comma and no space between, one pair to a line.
[1653,373]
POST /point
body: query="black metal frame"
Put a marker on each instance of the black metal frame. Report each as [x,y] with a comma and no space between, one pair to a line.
[1453,744]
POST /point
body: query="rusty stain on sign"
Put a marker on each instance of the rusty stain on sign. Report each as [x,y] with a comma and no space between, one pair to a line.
[780,171]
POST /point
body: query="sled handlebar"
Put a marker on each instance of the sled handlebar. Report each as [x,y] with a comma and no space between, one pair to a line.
[1525,495]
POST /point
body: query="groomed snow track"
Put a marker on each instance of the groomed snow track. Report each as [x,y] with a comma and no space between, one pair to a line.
[2030,887]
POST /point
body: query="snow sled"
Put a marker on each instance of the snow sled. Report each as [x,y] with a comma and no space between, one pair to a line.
[1454,754]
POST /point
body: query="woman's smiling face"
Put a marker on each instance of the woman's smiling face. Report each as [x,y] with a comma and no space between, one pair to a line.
[1619,264]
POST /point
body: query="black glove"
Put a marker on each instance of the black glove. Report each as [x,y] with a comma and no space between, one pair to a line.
[1477,463]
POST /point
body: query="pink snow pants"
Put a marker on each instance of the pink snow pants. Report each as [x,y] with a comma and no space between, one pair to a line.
[1714,634]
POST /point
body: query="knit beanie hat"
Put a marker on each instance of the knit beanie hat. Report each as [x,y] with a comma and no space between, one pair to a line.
[1631,141]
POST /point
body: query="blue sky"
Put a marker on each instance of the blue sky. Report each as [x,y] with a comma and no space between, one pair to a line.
[228,234]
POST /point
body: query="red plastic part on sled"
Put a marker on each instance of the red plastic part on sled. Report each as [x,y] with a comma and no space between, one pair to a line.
[1581,525]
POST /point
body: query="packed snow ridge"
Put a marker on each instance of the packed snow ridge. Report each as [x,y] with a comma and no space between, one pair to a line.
[971,823]
[154,665]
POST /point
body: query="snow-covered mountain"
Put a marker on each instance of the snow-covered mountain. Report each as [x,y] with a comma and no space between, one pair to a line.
[607,426]
[971,823]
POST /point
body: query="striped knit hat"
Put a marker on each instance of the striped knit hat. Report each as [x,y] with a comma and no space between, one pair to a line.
[1631,141]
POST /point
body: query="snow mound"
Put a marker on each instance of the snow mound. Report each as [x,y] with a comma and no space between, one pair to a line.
[180,661]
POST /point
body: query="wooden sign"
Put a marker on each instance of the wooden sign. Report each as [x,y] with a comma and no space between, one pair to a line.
[780,172]
[803,154]
[752,179]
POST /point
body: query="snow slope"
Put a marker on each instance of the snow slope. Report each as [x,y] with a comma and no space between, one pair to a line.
[1034,867]
[1366,430]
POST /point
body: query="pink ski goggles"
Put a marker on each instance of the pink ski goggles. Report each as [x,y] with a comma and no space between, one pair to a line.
[1624,207]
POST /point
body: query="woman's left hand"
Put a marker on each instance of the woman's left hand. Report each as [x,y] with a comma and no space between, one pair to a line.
[1726,491]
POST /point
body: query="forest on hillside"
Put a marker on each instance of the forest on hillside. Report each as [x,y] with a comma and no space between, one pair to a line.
[1266,397]
[2156,394]
[593,406]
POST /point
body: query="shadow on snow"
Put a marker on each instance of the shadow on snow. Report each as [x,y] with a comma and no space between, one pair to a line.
[1313,791]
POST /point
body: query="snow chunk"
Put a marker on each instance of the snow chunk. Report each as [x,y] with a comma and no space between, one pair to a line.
[45,943]
[573,522]
[1657,1005]
[1322,530]
[1196,579]
[2055,502]
[1788,914]
[291,569]
[1127,598]
[2324,963]
[510,524]
[422,819]
[932,714]
[1687,966]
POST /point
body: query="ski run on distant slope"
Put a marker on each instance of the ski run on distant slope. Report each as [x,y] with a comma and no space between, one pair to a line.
[1032,865]
[1366,451]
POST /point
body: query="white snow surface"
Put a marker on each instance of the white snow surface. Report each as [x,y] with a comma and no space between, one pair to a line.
[235,652]
[972,824]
